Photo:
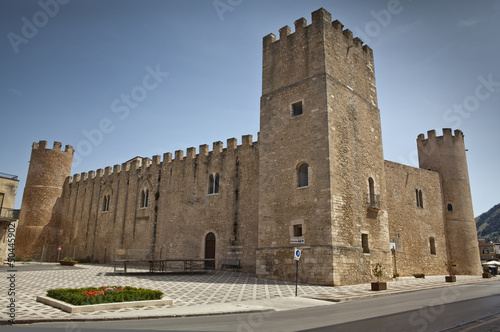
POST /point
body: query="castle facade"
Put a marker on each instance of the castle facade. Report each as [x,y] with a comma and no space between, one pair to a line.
[315,178]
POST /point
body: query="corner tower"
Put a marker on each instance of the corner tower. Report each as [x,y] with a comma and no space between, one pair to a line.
[40,208]
[446,155]
[321,167]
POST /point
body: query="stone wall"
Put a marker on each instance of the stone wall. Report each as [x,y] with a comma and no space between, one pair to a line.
[41,206]
[180,212]
[411,227]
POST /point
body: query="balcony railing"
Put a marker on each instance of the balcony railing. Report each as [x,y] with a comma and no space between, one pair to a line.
[9,214]
[8,176]
[374,202]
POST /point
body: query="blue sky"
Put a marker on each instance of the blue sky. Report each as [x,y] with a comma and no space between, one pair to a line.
[65,69]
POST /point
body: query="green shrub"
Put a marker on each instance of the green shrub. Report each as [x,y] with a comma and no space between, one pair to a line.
[106,294]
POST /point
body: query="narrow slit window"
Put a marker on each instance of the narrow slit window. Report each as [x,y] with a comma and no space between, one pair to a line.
[297,108]
[420,202]
[105,203]
[432,244]
[364,243]
[216,184]
[210,184]
[144,198]
[450,207]
[213,184]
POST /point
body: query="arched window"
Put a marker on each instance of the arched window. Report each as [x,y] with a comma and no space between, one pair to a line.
[373,198]
[216,184]
[432,244]
[303,175]
[372,186]
[450,207]
[144,198]
[210,184]
[213,184]
[105,203]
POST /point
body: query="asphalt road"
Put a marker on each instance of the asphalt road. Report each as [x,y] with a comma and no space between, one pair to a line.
[473,307]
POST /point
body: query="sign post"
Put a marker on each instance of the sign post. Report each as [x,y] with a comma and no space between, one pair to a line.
[58,252]
[296,256]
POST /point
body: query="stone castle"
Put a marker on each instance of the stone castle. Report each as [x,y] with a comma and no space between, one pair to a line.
[315,179]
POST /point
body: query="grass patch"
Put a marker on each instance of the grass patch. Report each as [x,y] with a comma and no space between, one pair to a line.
[105,294]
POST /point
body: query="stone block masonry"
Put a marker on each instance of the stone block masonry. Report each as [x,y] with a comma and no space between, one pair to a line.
[315,179]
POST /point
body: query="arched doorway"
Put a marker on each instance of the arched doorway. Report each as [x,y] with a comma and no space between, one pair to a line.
[210,250]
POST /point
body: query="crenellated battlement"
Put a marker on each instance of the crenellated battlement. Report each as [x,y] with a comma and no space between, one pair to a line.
[321,19]
[142,164]
[42,145]
[323,47]
[447,137]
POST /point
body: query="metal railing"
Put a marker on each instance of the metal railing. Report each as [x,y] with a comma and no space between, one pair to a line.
[8,176]
[374,202]
[9,214]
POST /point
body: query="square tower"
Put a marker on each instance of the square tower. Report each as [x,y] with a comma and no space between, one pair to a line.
[321,167]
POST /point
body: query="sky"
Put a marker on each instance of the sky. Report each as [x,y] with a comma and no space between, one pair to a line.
[192,71]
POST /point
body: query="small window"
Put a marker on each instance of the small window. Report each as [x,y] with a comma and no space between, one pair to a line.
[432,244]
[364,243]
[216,184]
[210,184]
[303,175]
[144,198]
[213,184]
[297,108]
[105,203]
[450,207]
[418,194]
[297,230]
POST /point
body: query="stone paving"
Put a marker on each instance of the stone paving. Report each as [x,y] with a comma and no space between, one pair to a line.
[186,290]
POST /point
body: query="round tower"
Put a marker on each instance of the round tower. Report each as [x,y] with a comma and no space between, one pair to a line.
[40,208]
[446,155]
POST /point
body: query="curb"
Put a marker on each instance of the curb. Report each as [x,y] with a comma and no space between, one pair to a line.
[135,317]
[102,306]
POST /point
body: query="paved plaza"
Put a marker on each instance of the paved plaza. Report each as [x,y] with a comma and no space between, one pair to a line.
[193,294]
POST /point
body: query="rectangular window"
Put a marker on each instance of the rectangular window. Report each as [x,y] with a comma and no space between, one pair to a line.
[297,230]
[297,108]
[432,244]
[364,243]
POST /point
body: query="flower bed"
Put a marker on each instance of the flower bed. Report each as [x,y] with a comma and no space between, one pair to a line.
[106,294]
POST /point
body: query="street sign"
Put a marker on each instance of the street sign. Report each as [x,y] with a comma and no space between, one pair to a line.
[296,254]
[59,249]
[297,241]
